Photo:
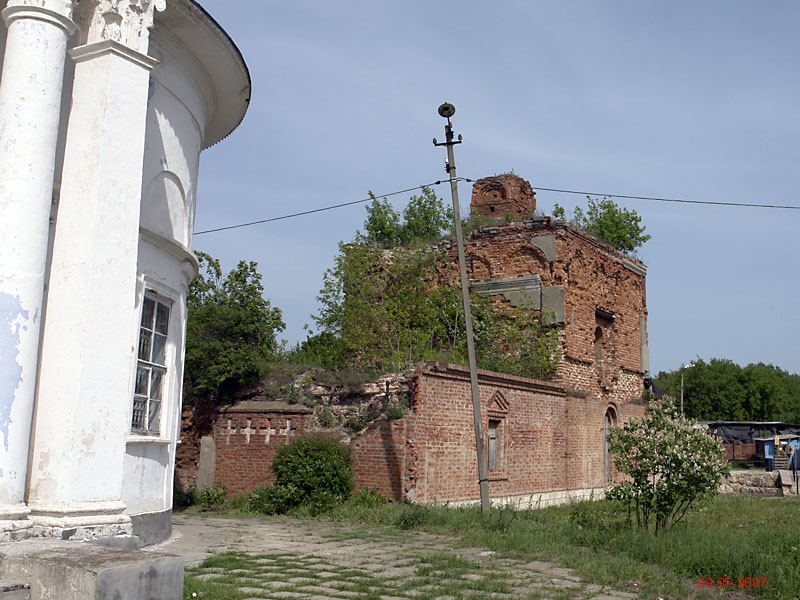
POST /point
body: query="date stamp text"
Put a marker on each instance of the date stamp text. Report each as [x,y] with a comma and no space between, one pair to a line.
[732,583]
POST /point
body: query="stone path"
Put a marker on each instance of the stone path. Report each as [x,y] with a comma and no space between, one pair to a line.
[290,559]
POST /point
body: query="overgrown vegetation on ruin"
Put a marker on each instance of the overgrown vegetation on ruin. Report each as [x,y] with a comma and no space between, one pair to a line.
[619,227]
[392,301]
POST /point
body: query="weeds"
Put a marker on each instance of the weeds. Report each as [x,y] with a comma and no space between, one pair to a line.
[213,498]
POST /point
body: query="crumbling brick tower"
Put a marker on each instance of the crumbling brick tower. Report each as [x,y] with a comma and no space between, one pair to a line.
[503,195]
[594,293]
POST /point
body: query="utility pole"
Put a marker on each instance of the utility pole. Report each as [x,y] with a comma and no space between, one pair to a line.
[448,110]
[683,368]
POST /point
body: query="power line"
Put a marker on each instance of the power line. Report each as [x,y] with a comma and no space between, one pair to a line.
[537,188]
[316,210]
[682,201]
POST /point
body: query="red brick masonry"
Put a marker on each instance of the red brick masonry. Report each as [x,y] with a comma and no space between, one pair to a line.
[546,441]
[246,437]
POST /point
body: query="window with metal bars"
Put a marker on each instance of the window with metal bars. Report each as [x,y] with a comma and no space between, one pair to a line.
[151,367]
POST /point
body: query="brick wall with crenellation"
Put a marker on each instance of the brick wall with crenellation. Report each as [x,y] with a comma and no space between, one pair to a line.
[247,436]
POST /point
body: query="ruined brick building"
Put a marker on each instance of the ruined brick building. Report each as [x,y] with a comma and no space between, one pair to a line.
[596,293]
[545,441]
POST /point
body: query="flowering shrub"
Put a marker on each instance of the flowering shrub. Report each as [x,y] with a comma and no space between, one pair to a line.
[669,464]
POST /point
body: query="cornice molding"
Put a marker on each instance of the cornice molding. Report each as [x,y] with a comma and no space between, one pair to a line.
[106,47]
[189,260]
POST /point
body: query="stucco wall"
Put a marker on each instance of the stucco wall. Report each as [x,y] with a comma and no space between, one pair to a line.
[2,43]
[148,468]
[175,128]
[175,119]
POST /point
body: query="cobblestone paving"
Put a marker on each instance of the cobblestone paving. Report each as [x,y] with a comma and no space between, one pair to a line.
[277,558]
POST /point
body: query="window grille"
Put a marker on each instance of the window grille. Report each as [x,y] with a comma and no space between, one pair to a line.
[151,367]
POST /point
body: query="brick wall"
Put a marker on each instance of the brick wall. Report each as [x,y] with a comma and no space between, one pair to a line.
[740,451]
[246,438]
[503,194]
[380,457]
[551,436]
[547,441]
[196,421]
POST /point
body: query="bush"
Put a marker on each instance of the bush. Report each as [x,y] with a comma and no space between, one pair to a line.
[182,499]
[213,498]
[396,411]
[326,418]
[313,472]
[669,465]
[356,422]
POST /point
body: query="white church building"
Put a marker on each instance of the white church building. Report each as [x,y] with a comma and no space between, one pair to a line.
[105,107]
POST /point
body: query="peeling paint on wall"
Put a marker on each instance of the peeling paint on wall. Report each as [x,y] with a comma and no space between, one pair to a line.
[12,319]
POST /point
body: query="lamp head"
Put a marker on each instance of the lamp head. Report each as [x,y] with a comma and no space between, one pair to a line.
[447,110]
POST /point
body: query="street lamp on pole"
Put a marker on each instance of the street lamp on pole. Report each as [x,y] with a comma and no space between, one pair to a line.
[446,111]
[683,368]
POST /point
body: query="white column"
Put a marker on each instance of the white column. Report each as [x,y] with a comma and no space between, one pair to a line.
[86,377]
[30,106]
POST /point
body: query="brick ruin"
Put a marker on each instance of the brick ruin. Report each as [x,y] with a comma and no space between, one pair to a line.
[542,445]
[246,437]
[234,445]
[595,293]
[496,197]
[547,438]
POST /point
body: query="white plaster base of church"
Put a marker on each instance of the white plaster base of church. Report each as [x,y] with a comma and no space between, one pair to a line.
[104,110]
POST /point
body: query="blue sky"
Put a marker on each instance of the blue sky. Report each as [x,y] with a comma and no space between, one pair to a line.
[681,99]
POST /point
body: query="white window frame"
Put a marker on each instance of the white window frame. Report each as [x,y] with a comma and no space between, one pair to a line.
[152,393]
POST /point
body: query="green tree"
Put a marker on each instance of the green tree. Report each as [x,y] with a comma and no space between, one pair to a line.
[424,219]
[386,307]
[619,227]
[382,226]
[668,463]
[719,389]
[390,301]
[230,331]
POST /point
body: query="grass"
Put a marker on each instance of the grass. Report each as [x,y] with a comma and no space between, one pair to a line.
[262,576]
[732,537]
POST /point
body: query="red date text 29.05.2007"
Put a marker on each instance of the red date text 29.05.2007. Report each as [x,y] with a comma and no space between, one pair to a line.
[732,583]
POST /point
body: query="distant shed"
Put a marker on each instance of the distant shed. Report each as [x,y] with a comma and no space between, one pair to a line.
[752,441]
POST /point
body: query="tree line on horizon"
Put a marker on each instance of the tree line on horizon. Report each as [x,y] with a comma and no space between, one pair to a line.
[721,390]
